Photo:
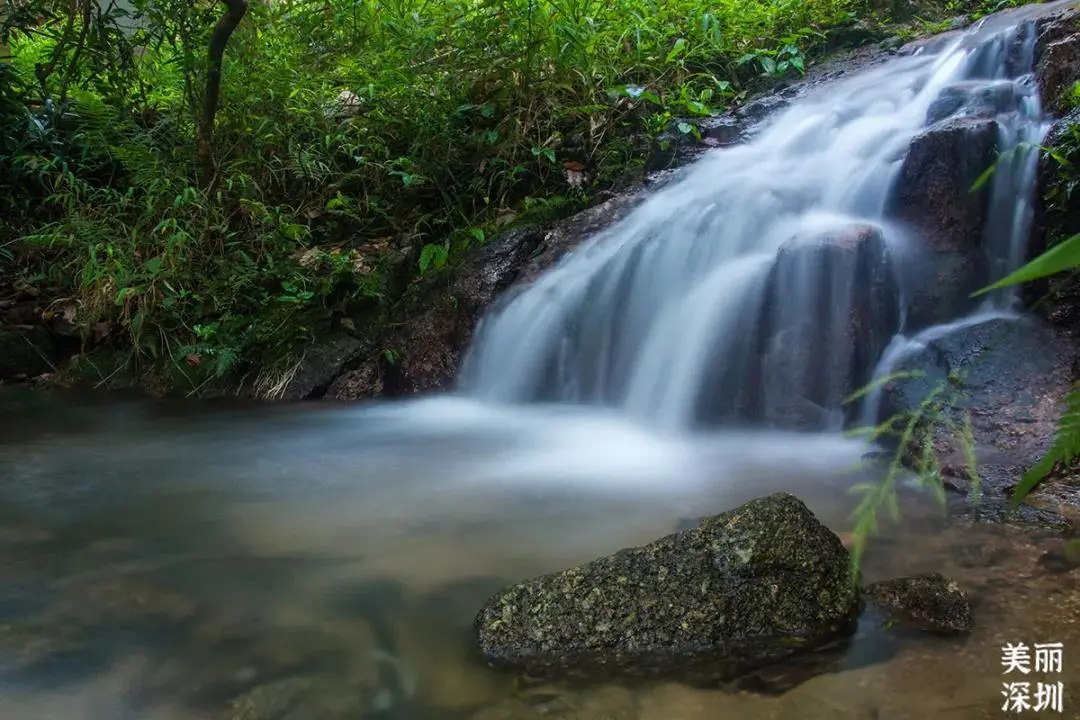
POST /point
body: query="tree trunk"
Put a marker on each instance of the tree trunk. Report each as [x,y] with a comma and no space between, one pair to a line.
[226,24]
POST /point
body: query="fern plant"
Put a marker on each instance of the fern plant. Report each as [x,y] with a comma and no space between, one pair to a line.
[912,433]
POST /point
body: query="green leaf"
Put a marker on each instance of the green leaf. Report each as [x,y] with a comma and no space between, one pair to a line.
[676,50]
[685,128]
[432,256]
[1063,256]
[153,265]
[983,178]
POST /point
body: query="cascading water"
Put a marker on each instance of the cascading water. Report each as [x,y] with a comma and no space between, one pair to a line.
[767,282]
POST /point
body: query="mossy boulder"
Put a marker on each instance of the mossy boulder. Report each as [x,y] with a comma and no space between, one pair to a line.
[743,590]
[930,602]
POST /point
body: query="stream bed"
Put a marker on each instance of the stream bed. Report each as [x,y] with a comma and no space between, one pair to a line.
[165,561]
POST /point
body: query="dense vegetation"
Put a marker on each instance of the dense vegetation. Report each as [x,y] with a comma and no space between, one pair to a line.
[353,147]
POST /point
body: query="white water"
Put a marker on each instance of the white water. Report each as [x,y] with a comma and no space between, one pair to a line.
[677,316]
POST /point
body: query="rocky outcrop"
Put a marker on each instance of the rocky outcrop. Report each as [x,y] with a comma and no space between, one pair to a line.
[1057,61]
[977,100]
[815,356]
[1012,398]
[1057,298]
[742,590]
[933,198]
[926,602]
[424,353]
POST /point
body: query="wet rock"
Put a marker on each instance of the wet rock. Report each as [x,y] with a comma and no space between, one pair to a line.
[1058,562]
[1012,398]
[1058,217]
[979,555]
[320,365]
[927,602]
[1057,65]
[363,382]
[933,198]
[562,237]
[1035,520]
[933,192]
[1057,72]
[432,351]
[974,99]
[981,360]
[854,305]
[743,590]
[301,698]
[425,353]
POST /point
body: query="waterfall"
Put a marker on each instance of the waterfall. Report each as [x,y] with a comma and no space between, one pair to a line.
[766,283]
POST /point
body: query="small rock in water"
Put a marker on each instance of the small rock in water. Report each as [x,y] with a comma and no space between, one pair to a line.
[300,698]
[743,590]
[928,602]
[1059,562]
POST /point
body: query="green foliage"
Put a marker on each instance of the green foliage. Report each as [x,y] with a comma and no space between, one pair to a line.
[358,145]
[912,435]
[1059,258]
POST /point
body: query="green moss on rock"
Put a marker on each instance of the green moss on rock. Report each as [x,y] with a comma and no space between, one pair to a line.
[740,591]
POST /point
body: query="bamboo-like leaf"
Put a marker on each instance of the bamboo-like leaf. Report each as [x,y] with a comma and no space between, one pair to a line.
[1061,257]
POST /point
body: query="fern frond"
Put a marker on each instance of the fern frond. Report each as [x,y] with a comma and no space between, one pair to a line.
[1064,449]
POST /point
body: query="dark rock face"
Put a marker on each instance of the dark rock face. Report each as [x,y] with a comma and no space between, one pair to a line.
[562,237]
[926,602]
[1057,59]
[972,100]
[933,191]
[431,350]
[1013,399]
[815,356]
[360,383]
[933,199]
[1058,217]
[425,353]
[321,365]
[740,591]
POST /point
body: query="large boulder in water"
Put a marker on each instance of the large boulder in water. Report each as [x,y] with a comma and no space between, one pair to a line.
[933,191]
[742,590]
[832,305]
[935,196]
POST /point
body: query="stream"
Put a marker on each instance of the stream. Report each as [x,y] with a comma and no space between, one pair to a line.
[158,560]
